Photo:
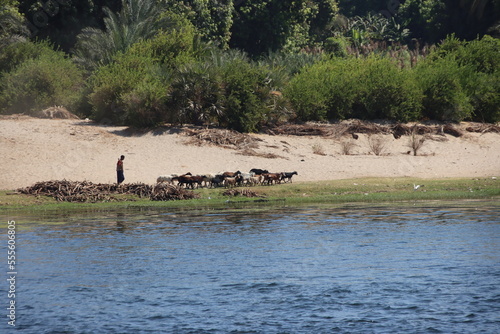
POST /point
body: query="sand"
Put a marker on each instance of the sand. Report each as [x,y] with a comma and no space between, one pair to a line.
[35,150]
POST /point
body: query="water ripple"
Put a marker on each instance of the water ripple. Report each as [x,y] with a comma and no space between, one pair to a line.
[419,269]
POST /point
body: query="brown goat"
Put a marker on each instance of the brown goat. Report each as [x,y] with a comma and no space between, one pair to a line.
[271,177]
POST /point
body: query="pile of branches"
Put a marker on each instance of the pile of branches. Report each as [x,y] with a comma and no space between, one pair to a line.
[368,128]
[329,130]
[303,130]
[169,192]
[55,112]
[86,191]
[221,137]
[358,126]
[241,192]
[483,128]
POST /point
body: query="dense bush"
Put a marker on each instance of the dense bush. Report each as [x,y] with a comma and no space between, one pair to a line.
[442,82]
[170,48]
[311,91]
[121,86]
[364,88]
[386,92]
[337,46]
[45,78]
[245,94]
[144,105]
[16,53]
[133,89]
[485,97]
[479,75]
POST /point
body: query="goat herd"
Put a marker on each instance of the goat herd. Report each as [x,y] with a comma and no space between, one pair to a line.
[227,179]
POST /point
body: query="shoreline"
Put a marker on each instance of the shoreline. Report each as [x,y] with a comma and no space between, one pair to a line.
[363,190]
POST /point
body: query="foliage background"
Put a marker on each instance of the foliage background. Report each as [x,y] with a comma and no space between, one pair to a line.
[250,64]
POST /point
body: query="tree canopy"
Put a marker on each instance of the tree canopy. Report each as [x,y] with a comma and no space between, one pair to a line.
[248,64]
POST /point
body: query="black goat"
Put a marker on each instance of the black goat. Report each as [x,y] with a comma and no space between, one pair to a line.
[288,176]
[258,171]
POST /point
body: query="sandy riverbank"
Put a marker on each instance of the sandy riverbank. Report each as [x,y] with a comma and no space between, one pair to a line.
[35,150]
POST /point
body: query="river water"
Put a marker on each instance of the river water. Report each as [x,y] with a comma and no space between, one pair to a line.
[332,269]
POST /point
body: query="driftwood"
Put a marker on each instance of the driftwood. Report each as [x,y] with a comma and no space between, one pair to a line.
[329,130]
[451,130]
[360,127]
[85,191]
[303,130]
[483,128]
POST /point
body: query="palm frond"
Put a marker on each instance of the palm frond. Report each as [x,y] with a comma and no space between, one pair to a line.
[137,20]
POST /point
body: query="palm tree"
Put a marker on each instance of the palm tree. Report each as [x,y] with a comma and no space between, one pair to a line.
[137,20]
[196,95]
[12,26]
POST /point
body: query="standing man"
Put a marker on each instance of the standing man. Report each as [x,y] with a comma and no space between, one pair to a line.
[119,170]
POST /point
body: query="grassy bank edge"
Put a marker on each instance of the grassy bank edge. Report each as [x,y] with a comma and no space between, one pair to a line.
[364,190]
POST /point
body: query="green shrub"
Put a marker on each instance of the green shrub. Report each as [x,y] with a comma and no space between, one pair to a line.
[481,54]
[244,95]
[442,82]
[171,49]
[37,83]
[16,53]
[110,85]
[363,88]
[386,92]
[308,92]
[144,106]
[337,46]
[485,97]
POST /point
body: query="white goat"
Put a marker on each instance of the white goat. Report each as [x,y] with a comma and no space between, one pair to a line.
[166,178]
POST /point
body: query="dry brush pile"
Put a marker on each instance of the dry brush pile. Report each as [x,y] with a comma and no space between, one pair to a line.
[86,191]
[244,143]
[370,128]
[221,137]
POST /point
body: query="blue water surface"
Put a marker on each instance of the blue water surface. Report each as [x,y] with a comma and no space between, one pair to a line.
[351,269]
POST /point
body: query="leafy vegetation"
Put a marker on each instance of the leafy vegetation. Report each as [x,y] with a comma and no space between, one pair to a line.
[45,78]
[247,65]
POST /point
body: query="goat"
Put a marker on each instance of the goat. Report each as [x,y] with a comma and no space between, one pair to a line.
[258,171]
[288,176]
[244,177]
[207,179]
[190,180]
[231,174]
[253,180]
[272,177]
[166,178]
[217,180]
[230,181]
